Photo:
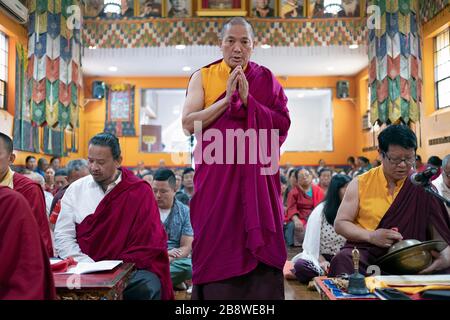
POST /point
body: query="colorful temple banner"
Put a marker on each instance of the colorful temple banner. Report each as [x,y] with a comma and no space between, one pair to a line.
[430,9]
[26,135]
[395,63]
[53,73]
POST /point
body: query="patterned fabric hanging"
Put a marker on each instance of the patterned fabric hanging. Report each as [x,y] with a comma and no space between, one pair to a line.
[54,54]
[430,9]
[25,135]
[203,32]
[394,59]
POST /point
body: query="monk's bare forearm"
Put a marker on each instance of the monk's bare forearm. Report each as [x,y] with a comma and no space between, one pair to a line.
[352,232]
[205,116]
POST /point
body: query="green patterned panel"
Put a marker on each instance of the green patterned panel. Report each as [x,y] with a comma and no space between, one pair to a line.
[405,105]
[394,88]
[394,110]
[38,112]
[383,112]
[64,116]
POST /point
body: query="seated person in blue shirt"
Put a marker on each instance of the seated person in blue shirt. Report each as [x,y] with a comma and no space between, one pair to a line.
[175,218]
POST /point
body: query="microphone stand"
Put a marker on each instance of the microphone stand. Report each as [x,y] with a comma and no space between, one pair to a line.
[429,188]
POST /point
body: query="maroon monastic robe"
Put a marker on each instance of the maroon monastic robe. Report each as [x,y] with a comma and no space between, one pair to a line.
[25,272]
[236,211]
[34,194]
[412,212]
[126,226]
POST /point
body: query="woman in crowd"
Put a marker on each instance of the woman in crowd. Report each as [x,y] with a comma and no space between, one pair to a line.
[321,242]
[302,199]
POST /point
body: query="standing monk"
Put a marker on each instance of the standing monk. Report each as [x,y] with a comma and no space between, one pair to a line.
[236,211]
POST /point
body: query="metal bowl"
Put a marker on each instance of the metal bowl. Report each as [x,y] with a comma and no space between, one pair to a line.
[409,256]
[403,244]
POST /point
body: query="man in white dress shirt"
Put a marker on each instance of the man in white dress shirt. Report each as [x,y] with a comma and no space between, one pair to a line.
[442,183]
[112,215]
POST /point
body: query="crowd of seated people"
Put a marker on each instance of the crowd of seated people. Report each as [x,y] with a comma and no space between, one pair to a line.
[311,197]
[310,209]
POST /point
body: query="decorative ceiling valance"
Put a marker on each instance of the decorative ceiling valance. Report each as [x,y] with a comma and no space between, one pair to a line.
[200,31]
[430,9]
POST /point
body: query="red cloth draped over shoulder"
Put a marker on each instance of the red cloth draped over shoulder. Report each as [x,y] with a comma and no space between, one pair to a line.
[35,197]
[25,272]
[126,226]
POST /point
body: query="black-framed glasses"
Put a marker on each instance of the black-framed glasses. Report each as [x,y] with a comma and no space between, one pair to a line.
[408,161]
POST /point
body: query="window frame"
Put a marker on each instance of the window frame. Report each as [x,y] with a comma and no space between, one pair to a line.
[4,64]
[437,81]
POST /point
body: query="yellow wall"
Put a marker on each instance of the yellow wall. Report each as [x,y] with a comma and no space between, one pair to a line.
[365,139]
[94,118]
[16,34]
[434,124]
[343,111]
[344,116]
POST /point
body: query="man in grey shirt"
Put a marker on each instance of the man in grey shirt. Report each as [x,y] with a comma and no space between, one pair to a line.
[175,218]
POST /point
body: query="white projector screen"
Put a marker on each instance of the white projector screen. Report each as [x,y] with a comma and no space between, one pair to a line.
[311,115]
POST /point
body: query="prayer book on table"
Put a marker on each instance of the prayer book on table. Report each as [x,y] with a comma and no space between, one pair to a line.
[89,267]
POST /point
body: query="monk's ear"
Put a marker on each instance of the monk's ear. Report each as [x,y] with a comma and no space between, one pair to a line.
[12,158]
[119,161]
[380,152]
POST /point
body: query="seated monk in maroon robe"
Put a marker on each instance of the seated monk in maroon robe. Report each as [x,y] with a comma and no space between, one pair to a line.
[25,272]
[382,206]
[236,211]
[31,191]
[302,199]
[112,215]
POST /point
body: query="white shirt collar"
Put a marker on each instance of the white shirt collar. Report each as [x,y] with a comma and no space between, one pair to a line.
[110,186]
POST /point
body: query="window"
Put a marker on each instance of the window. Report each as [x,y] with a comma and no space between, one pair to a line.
[311,113]
[3,69]
[442,69]
[160,120]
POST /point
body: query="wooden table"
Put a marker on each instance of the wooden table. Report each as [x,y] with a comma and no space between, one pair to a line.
[108,285]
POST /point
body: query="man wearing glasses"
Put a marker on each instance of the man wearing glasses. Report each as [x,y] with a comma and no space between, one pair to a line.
[442,183]
[382,206]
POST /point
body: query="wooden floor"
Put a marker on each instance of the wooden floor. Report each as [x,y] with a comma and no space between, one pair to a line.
[293,290]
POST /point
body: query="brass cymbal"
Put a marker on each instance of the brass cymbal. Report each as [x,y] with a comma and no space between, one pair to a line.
[410,259]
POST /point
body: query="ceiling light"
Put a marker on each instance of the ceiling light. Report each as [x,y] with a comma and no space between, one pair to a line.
[113,68]
[180,47]
[265,46]
[301,95]
[353,46]
[186,69]
[92,47]
[112,7]
[330,68]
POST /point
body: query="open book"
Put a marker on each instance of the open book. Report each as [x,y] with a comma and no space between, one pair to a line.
[89,267]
